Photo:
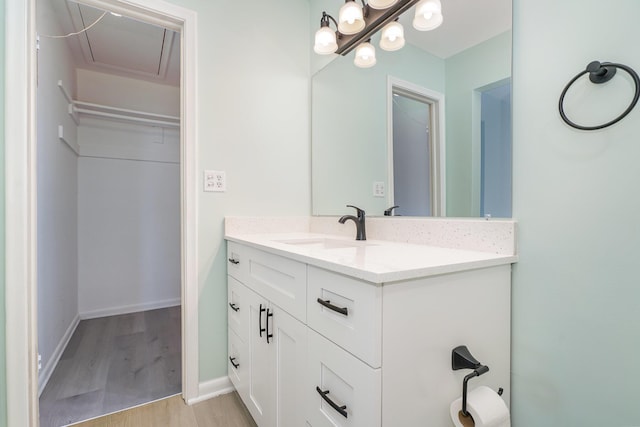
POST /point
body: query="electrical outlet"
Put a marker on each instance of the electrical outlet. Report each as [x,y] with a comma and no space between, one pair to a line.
[378,189]
[215,181]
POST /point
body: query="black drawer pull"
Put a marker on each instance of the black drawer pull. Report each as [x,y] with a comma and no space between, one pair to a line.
[232,360]
[262,310]
[234,261]
[234,307]
[327,303]
[269,335]
[340,409]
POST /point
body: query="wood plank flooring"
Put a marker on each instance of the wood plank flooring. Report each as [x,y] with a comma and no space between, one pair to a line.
[223,411]
[112,363]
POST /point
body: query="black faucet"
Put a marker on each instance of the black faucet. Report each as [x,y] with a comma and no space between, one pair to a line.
[361,234]
[389,212]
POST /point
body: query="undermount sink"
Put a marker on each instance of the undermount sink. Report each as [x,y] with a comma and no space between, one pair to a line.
[325,243]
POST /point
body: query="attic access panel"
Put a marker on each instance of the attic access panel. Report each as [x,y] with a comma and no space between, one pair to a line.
[121,43]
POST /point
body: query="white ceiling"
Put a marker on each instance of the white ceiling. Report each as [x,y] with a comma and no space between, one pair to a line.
[466,23]
[120,45]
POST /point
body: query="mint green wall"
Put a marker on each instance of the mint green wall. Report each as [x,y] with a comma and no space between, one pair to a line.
[3,383]
[576,290]
[467,72]
[253,123]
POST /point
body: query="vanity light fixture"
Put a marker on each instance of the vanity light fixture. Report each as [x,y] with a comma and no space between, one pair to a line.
[365,55]
[357,24]
[392,37]
[428,15]
[325,41]
[351,17]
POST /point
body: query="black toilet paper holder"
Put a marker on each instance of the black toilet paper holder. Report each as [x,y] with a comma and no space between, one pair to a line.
[461,358]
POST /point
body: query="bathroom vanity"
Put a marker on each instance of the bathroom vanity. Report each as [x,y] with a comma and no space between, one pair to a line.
[328,331]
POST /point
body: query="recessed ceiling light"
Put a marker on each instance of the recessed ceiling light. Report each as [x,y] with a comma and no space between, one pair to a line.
[116,14]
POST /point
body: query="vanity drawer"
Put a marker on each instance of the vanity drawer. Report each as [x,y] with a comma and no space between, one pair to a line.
[278,279]
[347,311]
[238,364]
[344,381]
[238,308]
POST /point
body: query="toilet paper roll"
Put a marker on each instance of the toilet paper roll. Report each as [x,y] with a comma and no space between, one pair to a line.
[487,409]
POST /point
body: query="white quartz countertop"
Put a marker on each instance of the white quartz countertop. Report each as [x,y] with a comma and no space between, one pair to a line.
[376,261]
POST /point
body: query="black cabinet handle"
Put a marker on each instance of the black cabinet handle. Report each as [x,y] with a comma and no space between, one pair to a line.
[234,261]
[262,310]
[327,303]
[340,409]
[232,360]
[234,307]
[269,335]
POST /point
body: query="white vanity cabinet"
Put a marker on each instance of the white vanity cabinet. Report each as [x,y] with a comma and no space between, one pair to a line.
[267,345]
[351,352]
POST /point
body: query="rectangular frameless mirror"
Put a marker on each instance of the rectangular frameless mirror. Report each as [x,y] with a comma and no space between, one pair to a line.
[427,129]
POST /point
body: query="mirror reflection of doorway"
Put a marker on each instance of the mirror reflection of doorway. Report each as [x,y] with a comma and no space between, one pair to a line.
[415,167]
[495,151]
[411,156]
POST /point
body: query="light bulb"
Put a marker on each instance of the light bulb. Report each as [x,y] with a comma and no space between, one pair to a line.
[365,55]
[392,36]
[350,18]
[428,15]
[325,41]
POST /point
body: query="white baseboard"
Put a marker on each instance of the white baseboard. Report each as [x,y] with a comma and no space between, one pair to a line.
[47,370]
[212,388]
[125,309]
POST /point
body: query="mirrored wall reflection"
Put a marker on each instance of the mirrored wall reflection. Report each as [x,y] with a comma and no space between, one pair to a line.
[495,158]
[353,153]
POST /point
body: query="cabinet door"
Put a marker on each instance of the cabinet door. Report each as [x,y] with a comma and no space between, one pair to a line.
[289,345]
[261,399]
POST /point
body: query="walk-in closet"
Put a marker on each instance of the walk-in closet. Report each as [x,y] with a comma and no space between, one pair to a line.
[108,208]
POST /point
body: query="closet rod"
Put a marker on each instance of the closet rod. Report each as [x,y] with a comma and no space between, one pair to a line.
[124,110]
[125,117]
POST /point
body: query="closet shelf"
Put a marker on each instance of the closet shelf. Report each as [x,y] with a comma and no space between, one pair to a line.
[114,113]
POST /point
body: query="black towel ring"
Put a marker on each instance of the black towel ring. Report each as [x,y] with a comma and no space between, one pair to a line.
[601,73]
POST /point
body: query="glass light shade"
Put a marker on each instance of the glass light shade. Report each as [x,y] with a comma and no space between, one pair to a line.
[350,19]
[325,43]
[428,15]
[365,55]
[392,36]
[381,4]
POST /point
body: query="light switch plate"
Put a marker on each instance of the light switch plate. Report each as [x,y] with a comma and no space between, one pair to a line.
[215,181]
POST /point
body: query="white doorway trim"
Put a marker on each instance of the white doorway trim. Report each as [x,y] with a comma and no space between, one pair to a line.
[20,195]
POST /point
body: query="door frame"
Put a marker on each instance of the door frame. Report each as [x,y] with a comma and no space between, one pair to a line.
[21,202]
